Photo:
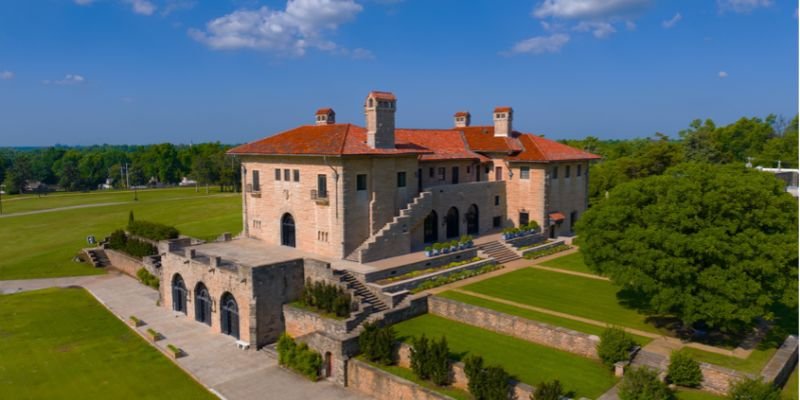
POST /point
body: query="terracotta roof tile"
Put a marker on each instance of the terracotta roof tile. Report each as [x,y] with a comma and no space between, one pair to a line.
[502,109]
[461,114]
[382,95]
[324,111]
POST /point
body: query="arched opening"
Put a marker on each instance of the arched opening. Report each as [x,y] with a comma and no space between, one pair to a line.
[202,304]
[431,227]
[287,230]
[178,294]
[229,317]
[452,223]
[328,365]
[472,220]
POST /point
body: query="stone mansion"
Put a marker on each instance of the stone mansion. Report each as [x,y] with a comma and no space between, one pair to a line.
[366,193]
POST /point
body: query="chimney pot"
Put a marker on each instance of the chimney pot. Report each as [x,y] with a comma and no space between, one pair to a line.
[380,108]
[503,116]
[462,119]
[325,116]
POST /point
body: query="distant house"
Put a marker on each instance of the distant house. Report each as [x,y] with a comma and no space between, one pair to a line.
[187,182]
[788,176]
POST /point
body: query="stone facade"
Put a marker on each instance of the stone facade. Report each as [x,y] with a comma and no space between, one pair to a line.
[382,385]
[537,332]
[124,263]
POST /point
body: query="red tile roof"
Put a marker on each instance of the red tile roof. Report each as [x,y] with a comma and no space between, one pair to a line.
[382,95]
[502,109]
[445,144]
[324,111]
[461,114]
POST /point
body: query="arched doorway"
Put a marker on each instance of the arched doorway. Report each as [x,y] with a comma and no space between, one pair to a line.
[472,220]
[452,223]
[229,317]
[287,230]
[178,294]
[431,227]
[328,365]
[202,304]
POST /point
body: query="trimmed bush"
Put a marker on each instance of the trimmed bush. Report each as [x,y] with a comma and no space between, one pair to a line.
[551,390]
[377,344]
[486,383]
[754,389]
[176,352]
[152,230]
[299,358]
[147,278]
[615,345]
[327,298]
[120,241]
[684,370]
[439,360]
[419,357]
[546,252]
[643,384]
[444,280]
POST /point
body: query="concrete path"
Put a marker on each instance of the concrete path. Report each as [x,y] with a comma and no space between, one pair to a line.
[211,358]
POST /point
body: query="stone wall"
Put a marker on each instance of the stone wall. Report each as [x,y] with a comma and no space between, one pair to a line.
[381,385]
[537,332]
[781,365]
[545,246]
[299,322]
[527,240]
[718,379]
[411,283]
[430,262]
[124,263]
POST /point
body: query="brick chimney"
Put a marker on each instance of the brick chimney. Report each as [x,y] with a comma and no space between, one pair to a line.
[325,116]
[502,121]
[462,119]
[379,109]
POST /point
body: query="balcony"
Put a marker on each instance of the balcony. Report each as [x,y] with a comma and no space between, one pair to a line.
[320,197]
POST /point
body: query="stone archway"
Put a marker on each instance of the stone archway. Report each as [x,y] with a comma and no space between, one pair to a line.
[431,228]
[202,304]
[229,315]
[288,231]
[473,225]
[178,294]
[453,228]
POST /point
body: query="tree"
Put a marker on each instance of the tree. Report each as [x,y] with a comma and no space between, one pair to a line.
[615,345]
[753,389]
[420,359]
[684,370]
[643,384]
[440,362]
[551,390]
[708,244]
[486,383]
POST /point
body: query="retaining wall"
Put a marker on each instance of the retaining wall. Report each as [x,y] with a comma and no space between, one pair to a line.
[781,365]
[430,262]
[411,283]
[382,385]
[552,244]
[124,263]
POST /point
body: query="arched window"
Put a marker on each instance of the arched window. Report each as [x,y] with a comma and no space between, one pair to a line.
[178,294]
[287,230]
[452,223]
[202,304]
[472,220]
[229,315]
[431,227]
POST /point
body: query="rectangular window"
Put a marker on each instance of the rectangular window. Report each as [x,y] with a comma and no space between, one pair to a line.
[578,170]
[322,186]
[566,171]
[524,172]
[401,179]
[554,175]
[277,174]
[497,222]
[523,218]
[287,175]
[442,173]
[256,181]
[498,173]
[296,175]
[469,169]
[430,172]
[361,182]
[497,200]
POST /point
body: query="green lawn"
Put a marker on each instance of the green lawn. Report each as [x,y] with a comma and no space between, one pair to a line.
[534,315]
[692,394]
[575,295]
[790,390]
[528,362]
[43,245]
[62,344]
[570,262]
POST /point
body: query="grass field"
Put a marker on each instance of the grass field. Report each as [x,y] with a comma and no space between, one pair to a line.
[43,245]
[62,344]
[570,262]
[528,362]
[534,315]
[790,390]
[692,394]
[575,295]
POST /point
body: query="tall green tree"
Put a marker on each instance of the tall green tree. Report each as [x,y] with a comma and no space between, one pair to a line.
[706,243]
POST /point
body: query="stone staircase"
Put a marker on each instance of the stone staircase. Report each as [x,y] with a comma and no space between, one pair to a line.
[393,239]
[97,257]
[362,293]
[499,251]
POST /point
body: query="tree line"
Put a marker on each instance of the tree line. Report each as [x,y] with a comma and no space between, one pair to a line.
[85,168]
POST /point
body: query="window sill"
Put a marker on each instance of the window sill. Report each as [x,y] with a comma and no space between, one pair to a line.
[322,202]
[255,194]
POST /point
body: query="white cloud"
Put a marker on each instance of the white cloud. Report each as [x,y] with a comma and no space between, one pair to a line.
[293,30]
[722,74]
[69,79]
[172,6]
[6,75]
[143,7]
[599,29]
[672,21]
[742,6]
[541,44]
[587,9]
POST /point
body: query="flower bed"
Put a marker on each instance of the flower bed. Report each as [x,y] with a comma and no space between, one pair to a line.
[545,250]
[414,274]
[523,230]
[447,247]
[444,280]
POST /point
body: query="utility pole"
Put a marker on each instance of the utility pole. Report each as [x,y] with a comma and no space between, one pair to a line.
[127,177]
[2,188]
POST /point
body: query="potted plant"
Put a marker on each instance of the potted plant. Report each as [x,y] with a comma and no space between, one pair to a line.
[469,241]
[453,245]
[445,248]
[437,249]
[428,251]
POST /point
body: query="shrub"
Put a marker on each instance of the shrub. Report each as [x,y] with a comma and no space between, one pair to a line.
[546,252]
[147,278]
[442,280]
[439,362]
[753,389]
[615,345]
[118,239]
[643,384]
[133,247]
[486,383]
[419,357]
[684,370]
[299,358]
[152,230]
[377,344]
[551,390]
[327,298]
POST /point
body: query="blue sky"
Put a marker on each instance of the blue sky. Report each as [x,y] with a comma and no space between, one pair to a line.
[148,71]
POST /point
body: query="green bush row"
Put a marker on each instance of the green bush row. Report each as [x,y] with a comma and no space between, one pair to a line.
[414,274]
[644,383]
[299,357]
[134,247]
[377,343]
[431,360]
[152,230]
[147,278]
[546,252]
[327,298]
[444,280]
[486,383]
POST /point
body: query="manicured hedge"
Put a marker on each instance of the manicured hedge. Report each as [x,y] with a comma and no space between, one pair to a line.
[444,280]
[486,383]
[152,230]
[299,357]
[327,298]
[546,252]
[377,343]
[430,360]
[133,247]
